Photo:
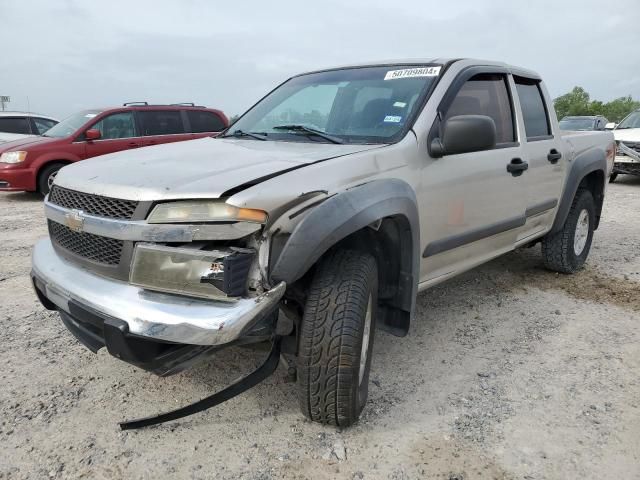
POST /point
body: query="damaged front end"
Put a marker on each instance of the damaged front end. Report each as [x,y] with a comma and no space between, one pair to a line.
[627,160]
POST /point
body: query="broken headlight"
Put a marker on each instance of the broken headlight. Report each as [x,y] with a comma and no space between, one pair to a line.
[215,274]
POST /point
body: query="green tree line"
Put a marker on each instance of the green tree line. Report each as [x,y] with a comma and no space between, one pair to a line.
[578,102]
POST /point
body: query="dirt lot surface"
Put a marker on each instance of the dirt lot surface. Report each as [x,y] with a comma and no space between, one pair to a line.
[509,372]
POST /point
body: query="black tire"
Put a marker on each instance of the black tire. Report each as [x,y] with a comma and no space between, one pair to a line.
[613,177]
[46,175]
[344,288]
[558,252]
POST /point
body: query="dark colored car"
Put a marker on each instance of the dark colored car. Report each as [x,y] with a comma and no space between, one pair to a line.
[586,122]
[31,164]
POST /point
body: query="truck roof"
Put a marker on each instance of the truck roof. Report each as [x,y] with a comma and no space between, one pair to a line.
[465,62]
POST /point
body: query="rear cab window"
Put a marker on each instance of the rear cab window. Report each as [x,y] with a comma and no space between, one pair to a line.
[160,122]
[534,109]
[487,94]
[202,121]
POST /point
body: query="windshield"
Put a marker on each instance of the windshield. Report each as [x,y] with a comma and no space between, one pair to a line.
[576,124]
[356,105]
[631,121]
[70,125]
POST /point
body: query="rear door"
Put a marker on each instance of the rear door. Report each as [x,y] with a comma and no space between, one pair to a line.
[203,123]
[543,151]
[472,207]
[162,126]
[117,132]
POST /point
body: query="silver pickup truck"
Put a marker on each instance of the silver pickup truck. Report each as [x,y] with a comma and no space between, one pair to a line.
[316,219]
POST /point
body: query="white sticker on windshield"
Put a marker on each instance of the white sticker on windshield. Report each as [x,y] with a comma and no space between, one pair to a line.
[412,73]
[392,119]
[400,104]
[90,115]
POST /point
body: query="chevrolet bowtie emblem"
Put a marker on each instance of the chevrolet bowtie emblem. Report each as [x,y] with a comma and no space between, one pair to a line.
[74,220]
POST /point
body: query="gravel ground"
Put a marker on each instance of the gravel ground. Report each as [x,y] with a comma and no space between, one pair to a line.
[509,372]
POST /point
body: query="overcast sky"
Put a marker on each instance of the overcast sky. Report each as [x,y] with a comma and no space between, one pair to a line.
[67,55]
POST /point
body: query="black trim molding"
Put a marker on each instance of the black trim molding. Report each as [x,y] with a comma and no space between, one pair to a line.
[460,239]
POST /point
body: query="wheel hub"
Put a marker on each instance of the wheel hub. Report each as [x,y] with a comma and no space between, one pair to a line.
[581,233]
[364,351]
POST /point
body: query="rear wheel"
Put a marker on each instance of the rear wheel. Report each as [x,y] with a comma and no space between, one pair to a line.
[567,250]
[47,176]
[336,338]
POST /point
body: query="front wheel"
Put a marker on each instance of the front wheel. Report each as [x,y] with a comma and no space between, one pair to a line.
[47,176]
[336,338]
[567,250]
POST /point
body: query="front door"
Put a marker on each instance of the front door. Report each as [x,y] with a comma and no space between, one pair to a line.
[117,132]
[473,206]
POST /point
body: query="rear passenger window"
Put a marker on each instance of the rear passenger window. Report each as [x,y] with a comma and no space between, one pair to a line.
[486,94]
[161,122]
[204,121]
[14,125]
[534,111]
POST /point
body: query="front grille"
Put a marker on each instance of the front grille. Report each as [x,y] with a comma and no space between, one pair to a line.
[87,245]
[93,204]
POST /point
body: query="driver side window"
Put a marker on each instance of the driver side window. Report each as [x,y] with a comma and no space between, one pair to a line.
[486,94]
[116,125]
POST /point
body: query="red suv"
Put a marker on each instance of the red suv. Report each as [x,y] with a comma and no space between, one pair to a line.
[32,163]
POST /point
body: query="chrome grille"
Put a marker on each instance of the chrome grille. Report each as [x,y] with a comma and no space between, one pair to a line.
[87,245]
[93,204]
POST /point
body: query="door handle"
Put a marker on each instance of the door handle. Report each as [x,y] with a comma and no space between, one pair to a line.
[554,156]
[517,166]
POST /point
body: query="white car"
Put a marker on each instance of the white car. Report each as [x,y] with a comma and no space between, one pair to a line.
[627,135]
[17,125]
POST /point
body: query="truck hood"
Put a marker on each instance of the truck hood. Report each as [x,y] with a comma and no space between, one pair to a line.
[627,134]
[203,168]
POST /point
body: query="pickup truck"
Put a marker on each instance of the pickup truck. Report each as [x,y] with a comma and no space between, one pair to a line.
[627,135]
[316,219]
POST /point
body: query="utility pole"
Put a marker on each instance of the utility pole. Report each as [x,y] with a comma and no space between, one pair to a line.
[4,100]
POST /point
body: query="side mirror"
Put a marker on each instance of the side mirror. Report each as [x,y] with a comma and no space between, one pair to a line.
[92,134]
[610,126]
[465,133]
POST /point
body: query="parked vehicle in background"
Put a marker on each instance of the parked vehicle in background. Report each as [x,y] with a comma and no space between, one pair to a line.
[334,200]
[627,135]
[17,125]
[580,123]
[31,164]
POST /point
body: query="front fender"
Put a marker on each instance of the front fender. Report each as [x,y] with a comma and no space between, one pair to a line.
[348,212]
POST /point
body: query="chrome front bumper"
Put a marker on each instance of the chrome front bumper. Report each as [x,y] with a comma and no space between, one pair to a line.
[155,316]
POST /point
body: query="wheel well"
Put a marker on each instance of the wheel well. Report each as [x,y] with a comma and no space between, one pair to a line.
[48,164]
[389,240]
[594,182]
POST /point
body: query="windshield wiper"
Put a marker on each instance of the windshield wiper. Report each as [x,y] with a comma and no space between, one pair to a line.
[240,133]
[310,131]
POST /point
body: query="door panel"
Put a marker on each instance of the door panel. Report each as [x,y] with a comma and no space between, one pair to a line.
[472,207]
[544,153]
[118,132]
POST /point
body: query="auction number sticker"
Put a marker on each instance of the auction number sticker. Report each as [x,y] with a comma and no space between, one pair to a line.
[412,73]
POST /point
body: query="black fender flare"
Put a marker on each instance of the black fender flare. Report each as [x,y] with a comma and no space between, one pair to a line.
[346,213]
[584,164]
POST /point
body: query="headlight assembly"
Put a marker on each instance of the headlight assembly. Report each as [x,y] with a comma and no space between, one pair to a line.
[13,157]
[204,211]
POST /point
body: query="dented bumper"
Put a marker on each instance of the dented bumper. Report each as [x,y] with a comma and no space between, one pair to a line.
[149,316]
